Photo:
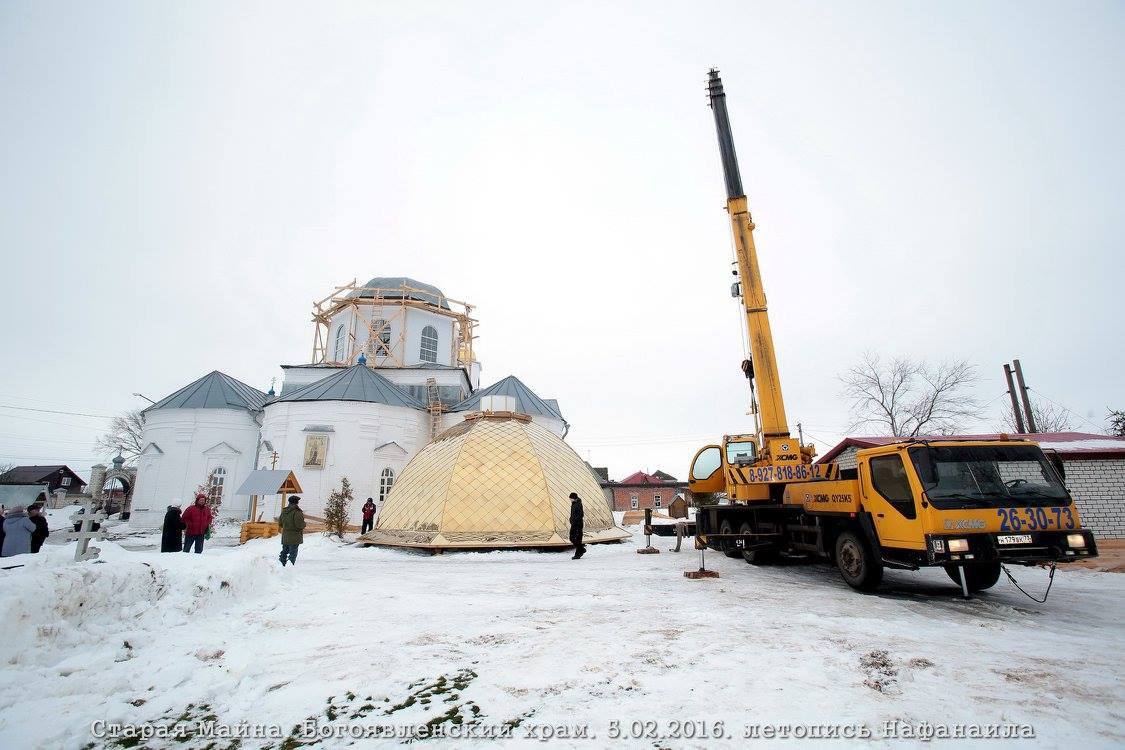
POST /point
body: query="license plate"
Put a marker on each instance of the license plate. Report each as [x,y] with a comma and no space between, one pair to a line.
[1014,539]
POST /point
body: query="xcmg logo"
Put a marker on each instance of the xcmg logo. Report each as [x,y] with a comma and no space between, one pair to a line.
[964,524]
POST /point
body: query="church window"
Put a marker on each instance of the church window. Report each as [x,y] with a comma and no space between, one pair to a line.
[340,343]
[429,344]
[386,481]
[379,344]
[215,484]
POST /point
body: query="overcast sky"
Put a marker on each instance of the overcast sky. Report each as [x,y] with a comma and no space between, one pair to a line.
[180,181]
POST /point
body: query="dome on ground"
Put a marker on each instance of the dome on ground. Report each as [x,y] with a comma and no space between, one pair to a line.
[492,481]
[401,287]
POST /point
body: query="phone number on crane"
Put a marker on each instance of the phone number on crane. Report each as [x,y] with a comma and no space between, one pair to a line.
[778,473]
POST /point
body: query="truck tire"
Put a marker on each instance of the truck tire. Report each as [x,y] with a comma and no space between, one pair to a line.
[757,556]
[727,545]
[979,577]
[857,562]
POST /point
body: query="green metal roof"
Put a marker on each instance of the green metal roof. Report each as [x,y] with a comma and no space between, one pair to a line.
[214,390]
[355,383]
[526,400]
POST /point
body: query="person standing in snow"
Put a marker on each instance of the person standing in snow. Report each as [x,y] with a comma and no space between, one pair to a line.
[196,520]
[576,517]
[17,532]
[42,531]
[3,510]
[368,516]
[172,534]
[292,524]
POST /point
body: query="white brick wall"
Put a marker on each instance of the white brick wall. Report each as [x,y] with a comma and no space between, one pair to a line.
[1098,486]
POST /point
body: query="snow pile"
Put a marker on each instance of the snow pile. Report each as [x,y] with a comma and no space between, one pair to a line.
[354,637]
[52,604]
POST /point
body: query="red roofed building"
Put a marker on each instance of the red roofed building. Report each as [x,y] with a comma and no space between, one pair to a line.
[1095,470]
[640,490]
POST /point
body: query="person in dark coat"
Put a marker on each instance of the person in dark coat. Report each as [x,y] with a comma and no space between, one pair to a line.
[172,536]
[3,510]
[368,516]
[576,516]
[292,525]
[17,533]
[42,531]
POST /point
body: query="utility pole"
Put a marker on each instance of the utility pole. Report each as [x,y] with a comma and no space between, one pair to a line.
[1015,401]
[1026,399]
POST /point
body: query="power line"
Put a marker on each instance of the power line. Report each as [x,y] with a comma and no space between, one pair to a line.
[96,428]
[1068,411]
[48,402]
[55,411]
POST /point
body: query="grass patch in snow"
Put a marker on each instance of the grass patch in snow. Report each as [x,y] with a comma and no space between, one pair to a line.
[180,730]
[882,675]
[424,692]
[445,689]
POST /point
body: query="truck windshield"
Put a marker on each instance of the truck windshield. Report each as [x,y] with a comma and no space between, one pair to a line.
[741,453]
[987,476]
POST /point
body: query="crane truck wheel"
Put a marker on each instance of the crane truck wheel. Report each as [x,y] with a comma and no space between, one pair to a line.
[857,563]
[979,577]
[758,556]
[728,547]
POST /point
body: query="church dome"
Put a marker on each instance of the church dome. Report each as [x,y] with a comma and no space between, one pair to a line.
[401,287]
[493,481]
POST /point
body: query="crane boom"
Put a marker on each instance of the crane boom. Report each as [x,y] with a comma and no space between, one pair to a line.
[762,365]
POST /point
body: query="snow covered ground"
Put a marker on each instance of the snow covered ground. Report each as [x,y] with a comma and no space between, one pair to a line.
[367,638]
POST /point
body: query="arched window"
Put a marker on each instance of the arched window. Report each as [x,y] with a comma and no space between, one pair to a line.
[429,344]
[386,481]
[379,345]
[215,485]
[339,351]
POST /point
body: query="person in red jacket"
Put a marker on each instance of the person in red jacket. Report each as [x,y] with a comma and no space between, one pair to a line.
[196,520]
[368,516]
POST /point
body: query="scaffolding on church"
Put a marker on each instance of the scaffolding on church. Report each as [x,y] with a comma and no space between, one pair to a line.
[373,336]
[435,406]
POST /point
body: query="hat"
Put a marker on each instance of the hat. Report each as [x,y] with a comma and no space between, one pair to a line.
[294,500]
[574,496]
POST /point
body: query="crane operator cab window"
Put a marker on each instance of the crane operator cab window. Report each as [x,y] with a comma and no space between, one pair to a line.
[707,463]
[888,476]
[741,453]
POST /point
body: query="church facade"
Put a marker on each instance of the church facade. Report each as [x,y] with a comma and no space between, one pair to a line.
[392,366]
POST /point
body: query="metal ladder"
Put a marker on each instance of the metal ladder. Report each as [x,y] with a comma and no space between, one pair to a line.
[435,407]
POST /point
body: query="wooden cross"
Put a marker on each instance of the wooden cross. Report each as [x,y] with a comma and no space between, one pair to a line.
[87,518]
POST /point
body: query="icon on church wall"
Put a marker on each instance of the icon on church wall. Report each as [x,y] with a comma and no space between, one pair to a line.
[316,447]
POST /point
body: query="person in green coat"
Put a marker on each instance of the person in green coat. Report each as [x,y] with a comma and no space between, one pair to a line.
[292,523]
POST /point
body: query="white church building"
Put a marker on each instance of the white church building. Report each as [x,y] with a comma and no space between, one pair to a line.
[392,366]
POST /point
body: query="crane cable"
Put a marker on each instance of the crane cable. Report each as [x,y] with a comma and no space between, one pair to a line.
[1050,580]
[744,337]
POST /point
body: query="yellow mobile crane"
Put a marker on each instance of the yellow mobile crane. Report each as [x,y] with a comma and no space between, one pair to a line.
[966,505]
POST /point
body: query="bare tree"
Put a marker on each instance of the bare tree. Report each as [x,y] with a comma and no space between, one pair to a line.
[1048,418]
[907,397]
[5,468]
[124,437]
[1116,419]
